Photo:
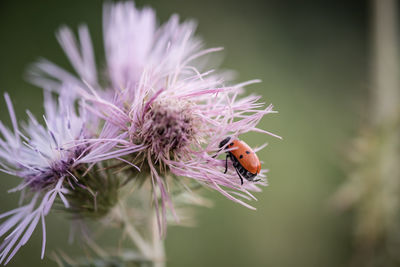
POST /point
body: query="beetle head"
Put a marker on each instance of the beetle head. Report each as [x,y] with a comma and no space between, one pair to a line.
[224,142]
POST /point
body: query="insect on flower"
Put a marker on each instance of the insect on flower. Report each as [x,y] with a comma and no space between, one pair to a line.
[244,159]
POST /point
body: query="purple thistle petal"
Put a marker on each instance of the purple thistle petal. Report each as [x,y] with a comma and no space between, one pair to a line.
[30,230]
[10,223]
[256,149]
[227,195]
[83,61]
[147,106]
[254,129]
[64,200]
[11,212]
[10,245]
[44,236]
[22,225]
[24,239]
[129,163]
[48,201]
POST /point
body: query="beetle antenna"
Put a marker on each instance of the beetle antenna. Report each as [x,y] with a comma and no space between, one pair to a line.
[216,154]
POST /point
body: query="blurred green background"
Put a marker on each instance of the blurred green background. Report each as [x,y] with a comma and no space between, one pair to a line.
[313,59]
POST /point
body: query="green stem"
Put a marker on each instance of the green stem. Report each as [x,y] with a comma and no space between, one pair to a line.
[158,244]
[152,249]
[385,93]
[135,236]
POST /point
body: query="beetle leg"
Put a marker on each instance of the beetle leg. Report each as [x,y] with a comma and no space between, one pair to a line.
[241,179]
[257,180]
[226,163]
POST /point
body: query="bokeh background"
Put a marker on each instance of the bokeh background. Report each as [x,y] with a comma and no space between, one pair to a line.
[313,58]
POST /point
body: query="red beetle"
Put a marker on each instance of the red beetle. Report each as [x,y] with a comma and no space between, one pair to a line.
[244,159]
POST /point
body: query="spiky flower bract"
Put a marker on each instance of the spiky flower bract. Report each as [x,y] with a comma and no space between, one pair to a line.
[161,112]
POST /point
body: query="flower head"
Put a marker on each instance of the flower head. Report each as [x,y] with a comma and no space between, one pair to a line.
[50,160]
[40,157]
[168,128]
[160,99]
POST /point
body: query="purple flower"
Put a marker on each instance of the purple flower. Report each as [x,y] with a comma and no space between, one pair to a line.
[161,96]
[38,156]
[46,158]
[161,99]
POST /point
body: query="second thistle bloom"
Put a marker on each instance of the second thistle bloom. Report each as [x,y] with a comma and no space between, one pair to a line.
[44,158]
[52,160]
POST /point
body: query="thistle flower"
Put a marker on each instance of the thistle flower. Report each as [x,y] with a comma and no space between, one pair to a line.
[43,167]
[48,159]
[161,97]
